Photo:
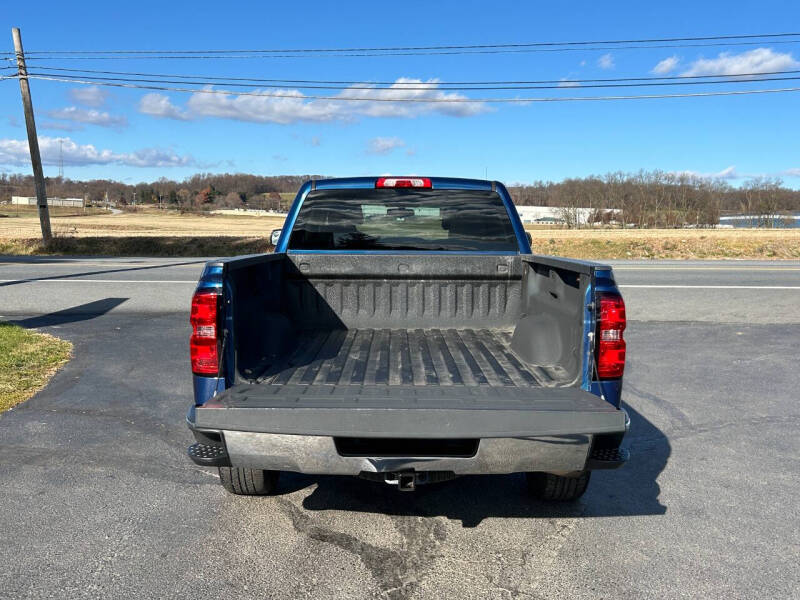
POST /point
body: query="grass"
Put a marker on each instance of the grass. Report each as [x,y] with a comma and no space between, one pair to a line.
[22,211]
[27,361]
[152,232]
[138,246]
[144,222]
[670,243]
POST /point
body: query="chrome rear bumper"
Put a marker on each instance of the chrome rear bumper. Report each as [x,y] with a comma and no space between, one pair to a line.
[318,455]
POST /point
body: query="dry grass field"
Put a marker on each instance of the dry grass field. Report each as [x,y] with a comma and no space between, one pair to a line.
[161,233]
[146,222]
[669,243]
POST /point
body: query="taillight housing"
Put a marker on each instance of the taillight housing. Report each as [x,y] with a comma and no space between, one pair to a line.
[610,349]
[205,341]
[403,182]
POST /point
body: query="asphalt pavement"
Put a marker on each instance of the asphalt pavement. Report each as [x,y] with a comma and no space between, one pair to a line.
[99,500]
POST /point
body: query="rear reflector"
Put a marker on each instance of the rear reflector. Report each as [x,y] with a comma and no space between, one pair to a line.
[403,182]
[611,323]
[204,343]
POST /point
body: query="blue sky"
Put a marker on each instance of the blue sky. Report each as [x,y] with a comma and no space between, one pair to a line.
[133,135]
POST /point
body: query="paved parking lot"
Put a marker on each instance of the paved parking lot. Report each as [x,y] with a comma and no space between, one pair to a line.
[99,500]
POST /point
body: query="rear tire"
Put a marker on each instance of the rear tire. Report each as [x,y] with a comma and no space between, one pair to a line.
[248,482]
[547,486]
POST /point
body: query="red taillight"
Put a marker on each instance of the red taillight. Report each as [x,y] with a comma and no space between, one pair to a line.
[204,343]
[610,343]
[403,182]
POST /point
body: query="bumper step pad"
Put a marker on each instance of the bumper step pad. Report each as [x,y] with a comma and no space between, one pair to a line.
[207,455]
[607,458]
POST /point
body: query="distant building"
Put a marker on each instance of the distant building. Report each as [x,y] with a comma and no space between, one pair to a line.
[554,215]
[31,201]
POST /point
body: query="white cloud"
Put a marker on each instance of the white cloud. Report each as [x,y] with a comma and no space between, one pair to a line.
[791,172]
[158,105]
[89,96]
[759,60]
[15,152]
[89,116]
[295,107]
[564,82]
[56,126]
[384,145]
[606,61]
[666,66]
[726,173]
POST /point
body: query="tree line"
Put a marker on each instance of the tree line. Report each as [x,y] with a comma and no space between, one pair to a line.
[203,191]
[642,199]
[660,199]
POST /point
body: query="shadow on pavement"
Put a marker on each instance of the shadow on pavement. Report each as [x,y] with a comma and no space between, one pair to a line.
[631,490]
[73,314]
[75,275]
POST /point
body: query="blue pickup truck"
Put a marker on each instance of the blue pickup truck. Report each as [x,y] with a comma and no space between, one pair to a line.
[402,331]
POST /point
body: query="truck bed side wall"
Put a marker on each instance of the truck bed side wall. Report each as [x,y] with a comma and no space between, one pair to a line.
[551,328]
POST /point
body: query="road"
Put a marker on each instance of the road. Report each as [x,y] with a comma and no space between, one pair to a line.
[99,500]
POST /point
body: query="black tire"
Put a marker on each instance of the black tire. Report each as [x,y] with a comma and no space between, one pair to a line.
[547,486]
[248,482]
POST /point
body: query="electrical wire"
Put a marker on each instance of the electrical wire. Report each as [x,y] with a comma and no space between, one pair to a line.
[429,87]
[424,100]
[715,38]
[208,56]
[253,80]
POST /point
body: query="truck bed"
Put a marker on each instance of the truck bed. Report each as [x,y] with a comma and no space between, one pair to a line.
[418,357]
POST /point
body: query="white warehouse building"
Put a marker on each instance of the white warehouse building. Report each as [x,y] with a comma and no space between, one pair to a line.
[549,215]
[31,201]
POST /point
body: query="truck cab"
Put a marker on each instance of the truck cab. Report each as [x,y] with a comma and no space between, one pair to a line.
[403,332]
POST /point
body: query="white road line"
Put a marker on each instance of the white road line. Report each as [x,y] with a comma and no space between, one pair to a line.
[624,286]
[68,280]
[733,268]
[715,287]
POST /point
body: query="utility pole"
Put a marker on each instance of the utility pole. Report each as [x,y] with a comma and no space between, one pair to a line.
[33,141]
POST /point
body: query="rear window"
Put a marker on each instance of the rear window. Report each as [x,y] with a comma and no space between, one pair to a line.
[403,219]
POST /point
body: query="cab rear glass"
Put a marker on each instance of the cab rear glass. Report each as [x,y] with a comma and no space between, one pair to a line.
[403,219]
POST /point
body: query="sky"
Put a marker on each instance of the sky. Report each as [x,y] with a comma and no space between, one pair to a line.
[140,135]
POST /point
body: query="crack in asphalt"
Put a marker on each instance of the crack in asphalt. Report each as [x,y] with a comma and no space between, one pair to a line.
[675,414]
[691,430]
[397,572]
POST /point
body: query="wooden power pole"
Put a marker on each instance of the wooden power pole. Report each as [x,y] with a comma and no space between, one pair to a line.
[33,141]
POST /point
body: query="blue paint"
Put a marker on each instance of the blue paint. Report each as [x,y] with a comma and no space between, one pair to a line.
[589,321]
[206,388]
[608,389]
[347,183]
[516,223]
[229,350]
[407,252]
[288,224]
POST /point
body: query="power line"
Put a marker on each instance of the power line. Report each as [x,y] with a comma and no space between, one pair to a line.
[717,38]
[208,56]
[431,87]
[423,100]
[254,80]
